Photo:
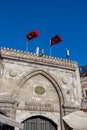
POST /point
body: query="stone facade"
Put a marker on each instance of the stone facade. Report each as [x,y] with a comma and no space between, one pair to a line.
[32,85]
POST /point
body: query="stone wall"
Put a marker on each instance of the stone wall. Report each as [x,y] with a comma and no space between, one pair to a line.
[41,85]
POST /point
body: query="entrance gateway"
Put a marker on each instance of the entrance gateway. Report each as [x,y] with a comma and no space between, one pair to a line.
[38,90]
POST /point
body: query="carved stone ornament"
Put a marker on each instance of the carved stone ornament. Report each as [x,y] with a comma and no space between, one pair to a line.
[64,80]
[39,90]
[13,73]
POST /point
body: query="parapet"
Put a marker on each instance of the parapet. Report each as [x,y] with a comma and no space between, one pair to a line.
[18,55]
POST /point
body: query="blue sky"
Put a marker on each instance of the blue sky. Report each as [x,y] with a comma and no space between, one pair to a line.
[68,18]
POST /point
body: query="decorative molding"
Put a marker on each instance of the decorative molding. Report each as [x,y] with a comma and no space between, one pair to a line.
[42,60]
[39,90]
[13,73]
[64,80]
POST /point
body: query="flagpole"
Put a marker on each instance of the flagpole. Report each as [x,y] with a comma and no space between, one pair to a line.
[26,45]
[30,36]
[50,51]
[50,47]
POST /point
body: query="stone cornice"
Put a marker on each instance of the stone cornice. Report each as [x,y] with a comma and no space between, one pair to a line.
[14,54]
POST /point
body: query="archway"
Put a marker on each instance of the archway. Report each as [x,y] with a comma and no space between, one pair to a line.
[29,75]
[56,85]
[39,123]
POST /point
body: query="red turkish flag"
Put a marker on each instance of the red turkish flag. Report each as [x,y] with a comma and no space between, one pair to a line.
[31,35]
[54,40]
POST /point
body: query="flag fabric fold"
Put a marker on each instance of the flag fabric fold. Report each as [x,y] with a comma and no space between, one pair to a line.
[54,40]
[32,34]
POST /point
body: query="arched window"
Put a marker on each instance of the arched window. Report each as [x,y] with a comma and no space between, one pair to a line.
[39,123]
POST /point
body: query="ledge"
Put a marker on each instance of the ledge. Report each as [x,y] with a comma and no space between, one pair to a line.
[14,54]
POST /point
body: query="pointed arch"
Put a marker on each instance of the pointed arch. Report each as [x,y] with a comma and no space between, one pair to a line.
[56,85]
[29,75]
